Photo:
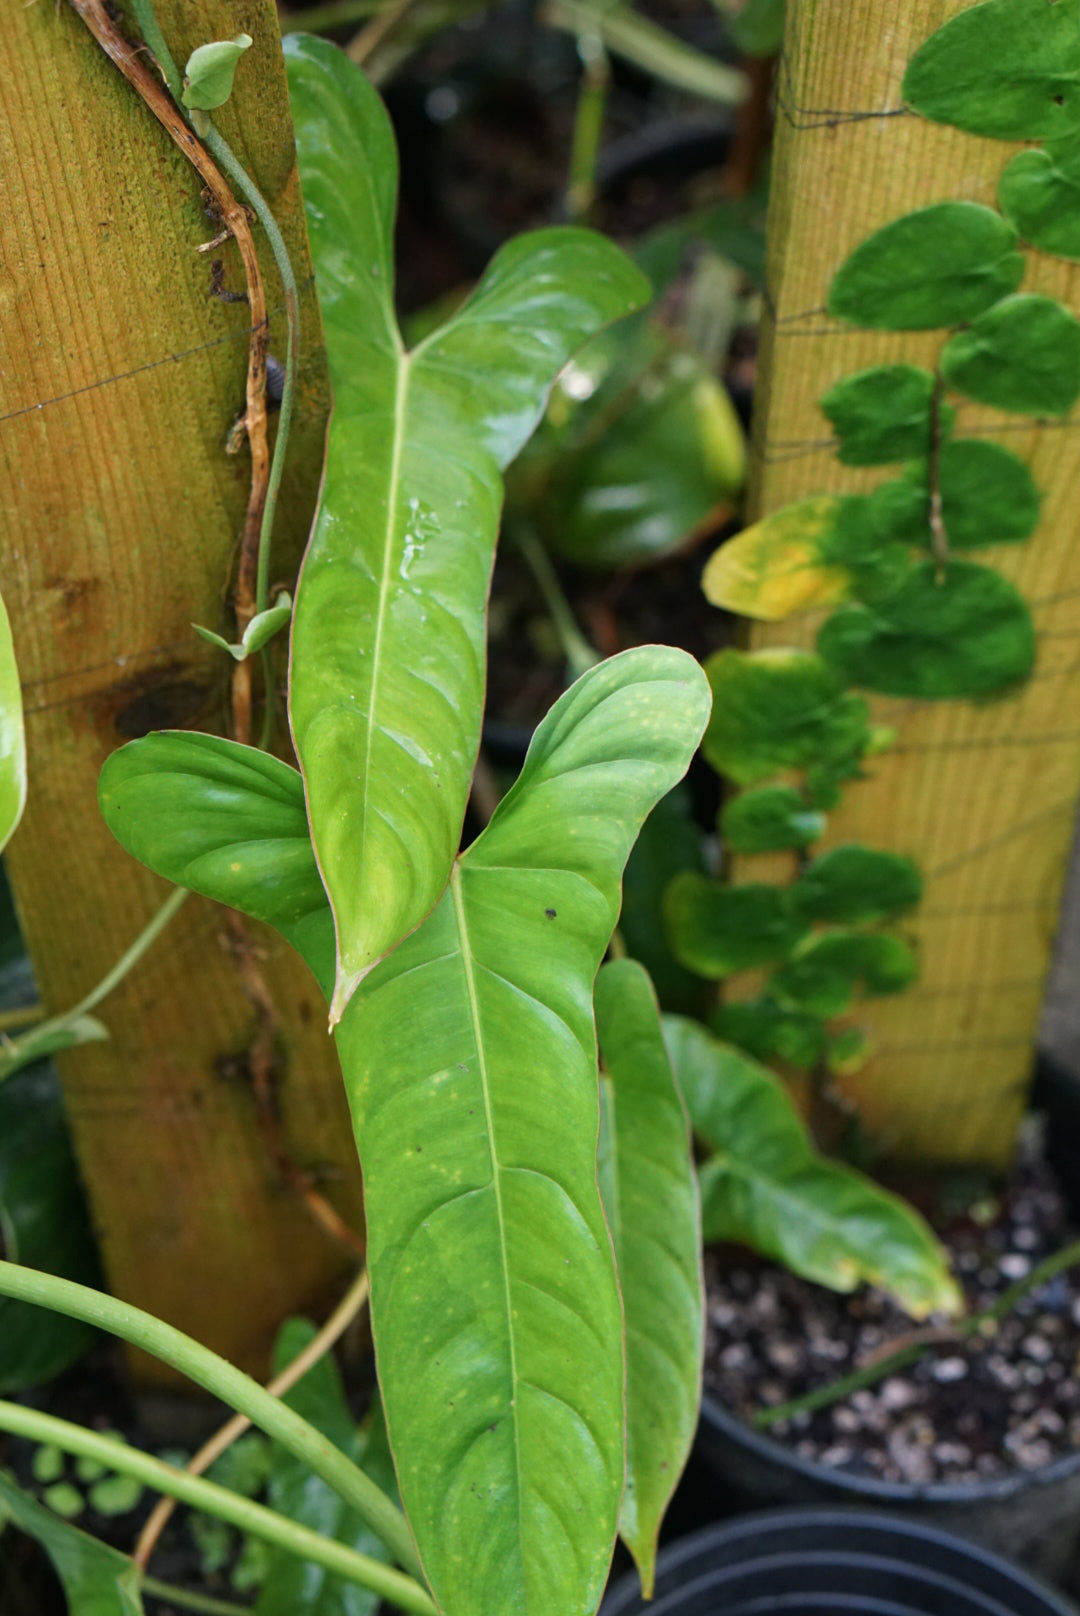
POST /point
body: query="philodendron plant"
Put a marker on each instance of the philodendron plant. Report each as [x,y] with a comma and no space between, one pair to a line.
[538,1343]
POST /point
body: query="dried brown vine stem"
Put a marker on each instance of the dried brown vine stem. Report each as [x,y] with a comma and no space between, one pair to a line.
[320,1344]
[131,61]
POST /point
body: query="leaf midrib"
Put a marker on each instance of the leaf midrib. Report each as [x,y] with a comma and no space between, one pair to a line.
[393,505]
[496,1170]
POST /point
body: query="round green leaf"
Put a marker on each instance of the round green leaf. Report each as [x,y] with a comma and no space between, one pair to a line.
[933,268]
[764,1027]
[883,415]
[1008,68]
[829,971]
[853,884]
[115,1495]
[988,496]
[768,820]
[965,633]
[862,543]
[778,709]
[1023,355]
[716,930]
[1040,194]
[758,29]
[210,71]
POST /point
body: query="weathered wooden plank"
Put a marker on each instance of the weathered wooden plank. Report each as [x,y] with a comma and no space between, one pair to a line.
[983,796]
[119,379]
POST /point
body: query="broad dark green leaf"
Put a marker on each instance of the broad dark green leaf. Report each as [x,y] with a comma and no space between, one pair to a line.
[764,1027]
[884,415]
[97,1580]
[781,565]
[669,843]
[778,709]
[1022,355]
[12,737]
[716,929]
[293,1587]
[758,29]
[768,820]
[964,633]
[988,496]
[767,1187]
[854,884]
[388,638]
[649,1188]
[227,821]
[494,1301]
[864,543]
[828,972]
[652,457]
[43,1224]
[933,268]
[1007,68]
[1040,194]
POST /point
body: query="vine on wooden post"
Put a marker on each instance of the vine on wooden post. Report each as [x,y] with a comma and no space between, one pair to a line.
[915,616]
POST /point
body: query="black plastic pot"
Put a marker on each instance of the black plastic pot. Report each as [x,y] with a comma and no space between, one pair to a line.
[828,1562]
[1032,1517]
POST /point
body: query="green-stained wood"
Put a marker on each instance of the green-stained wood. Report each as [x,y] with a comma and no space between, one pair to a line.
[120,524]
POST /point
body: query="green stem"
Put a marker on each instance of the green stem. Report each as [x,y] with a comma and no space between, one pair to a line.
[588,126]
[207,1496]
[202,1604]
[128,961]
[580,655]
[20,1051]
[221,1378]
[220,149]
[335,14]
[975,1324]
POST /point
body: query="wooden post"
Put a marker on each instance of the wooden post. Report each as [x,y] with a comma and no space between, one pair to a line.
[983,797]
[119,379]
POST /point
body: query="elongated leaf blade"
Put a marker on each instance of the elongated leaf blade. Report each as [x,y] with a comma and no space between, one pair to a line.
[12,736]
[98,1581]
[388,645]
[650,1195]
[293,1587]
[227,821]
[470,1062]
[767,1188]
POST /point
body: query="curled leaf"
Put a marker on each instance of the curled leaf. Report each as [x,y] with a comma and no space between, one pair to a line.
[766,1186]
[12,736]
[210,71]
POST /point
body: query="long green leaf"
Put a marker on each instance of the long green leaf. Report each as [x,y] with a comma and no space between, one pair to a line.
[388,643]
[470,1060]
[650,1195]
[293,1587]
[12,736]
[98,1581]
[766,1187]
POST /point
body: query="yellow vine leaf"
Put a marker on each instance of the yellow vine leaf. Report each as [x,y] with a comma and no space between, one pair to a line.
[777,568]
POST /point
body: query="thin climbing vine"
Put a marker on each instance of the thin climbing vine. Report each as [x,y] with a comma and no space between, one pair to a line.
[914,615]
